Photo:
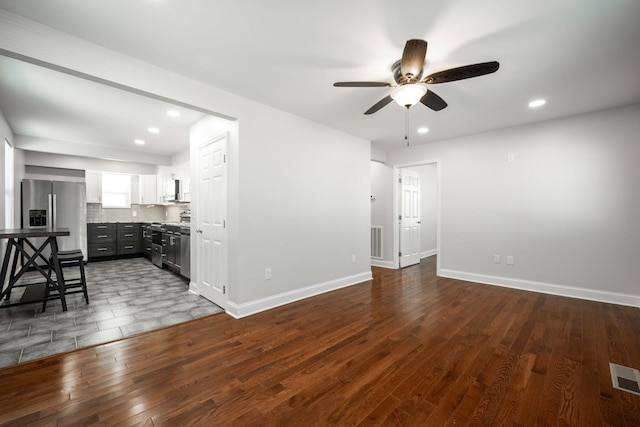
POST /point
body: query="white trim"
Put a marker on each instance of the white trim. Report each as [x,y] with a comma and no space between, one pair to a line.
[246,309]
[428,253]
[546,288]
[382,263]
[193,288]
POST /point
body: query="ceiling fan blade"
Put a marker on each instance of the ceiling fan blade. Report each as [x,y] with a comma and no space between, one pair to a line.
[433,101]
[413,58]
[461,73]
[361,84]
[378,105]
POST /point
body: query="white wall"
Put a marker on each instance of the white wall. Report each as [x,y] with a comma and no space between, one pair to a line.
[304,207]
[566,208]
[298,191]
[5,133]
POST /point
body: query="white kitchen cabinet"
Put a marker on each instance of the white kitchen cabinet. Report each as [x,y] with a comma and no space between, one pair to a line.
[93,180]
[148,189]
[135,190]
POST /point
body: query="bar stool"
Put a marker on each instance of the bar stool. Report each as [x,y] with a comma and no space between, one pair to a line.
[72,258]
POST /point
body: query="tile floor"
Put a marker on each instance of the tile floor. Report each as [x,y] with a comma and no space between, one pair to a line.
[126,297]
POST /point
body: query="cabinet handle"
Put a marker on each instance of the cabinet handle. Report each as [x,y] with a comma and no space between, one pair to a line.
[103,249]
[101,226]
[128,247]
[102,236]
[128,235]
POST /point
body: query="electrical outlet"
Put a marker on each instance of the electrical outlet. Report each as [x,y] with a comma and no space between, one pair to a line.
[496,259]
[509,259]
[353,258]
[267,274]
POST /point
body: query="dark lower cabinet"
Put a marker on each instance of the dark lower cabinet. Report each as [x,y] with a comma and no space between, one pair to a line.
[101,240]
[128,239]
[111,239]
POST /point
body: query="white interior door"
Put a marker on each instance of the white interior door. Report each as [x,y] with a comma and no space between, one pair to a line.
[409,218]
[211,234]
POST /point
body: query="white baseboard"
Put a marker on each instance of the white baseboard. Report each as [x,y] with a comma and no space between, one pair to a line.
[382,263]
[546,288]
[428,253]
[193,288]
[246,309]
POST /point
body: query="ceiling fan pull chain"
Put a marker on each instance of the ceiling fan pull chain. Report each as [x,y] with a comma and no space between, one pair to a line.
[406,126]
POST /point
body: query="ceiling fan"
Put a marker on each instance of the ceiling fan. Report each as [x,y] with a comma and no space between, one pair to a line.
[410,87]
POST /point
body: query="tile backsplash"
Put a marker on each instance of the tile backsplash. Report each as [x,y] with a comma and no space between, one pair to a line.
[137,213]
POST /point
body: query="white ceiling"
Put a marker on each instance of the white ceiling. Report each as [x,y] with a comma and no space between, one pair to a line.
[43,103]
[580,55]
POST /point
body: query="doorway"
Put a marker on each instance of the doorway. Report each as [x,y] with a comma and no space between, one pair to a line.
[211,229]
[416,212]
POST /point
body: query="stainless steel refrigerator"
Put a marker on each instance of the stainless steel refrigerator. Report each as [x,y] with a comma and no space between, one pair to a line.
[57,204]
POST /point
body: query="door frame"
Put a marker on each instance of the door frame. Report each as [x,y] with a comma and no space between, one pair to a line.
[397,208]
[196,242]
[409,224]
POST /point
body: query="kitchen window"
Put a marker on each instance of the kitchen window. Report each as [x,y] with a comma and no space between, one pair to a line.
[116,190]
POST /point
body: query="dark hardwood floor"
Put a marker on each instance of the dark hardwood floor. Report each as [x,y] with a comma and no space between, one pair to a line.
[404,349]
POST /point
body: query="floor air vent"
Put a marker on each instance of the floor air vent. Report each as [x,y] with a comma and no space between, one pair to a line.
[626,379]
[376,241]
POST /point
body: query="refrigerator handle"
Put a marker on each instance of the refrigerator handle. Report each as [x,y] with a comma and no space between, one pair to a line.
[55,213]
[49,211]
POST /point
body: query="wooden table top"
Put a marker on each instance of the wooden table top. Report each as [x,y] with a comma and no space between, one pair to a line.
[19,233]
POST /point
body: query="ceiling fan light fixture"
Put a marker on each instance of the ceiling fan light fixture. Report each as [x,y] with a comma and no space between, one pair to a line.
[409,94]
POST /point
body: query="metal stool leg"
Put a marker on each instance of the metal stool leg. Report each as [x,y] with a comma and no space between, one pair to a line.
[83,280]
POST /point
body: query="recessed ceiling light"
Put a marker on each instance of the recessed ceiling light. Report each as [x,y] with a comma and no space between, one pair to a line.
[173,113]
[537,103]
[139,141]
[423,130]
[153,130]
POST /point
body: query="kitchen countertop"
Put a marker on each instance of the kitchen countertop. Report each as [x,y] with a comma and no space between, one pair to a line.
[186,224]
[174,223]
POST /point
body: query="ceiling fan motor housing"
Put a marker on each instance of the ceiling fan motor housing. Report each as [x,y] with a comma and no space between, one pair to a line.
[401,79]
